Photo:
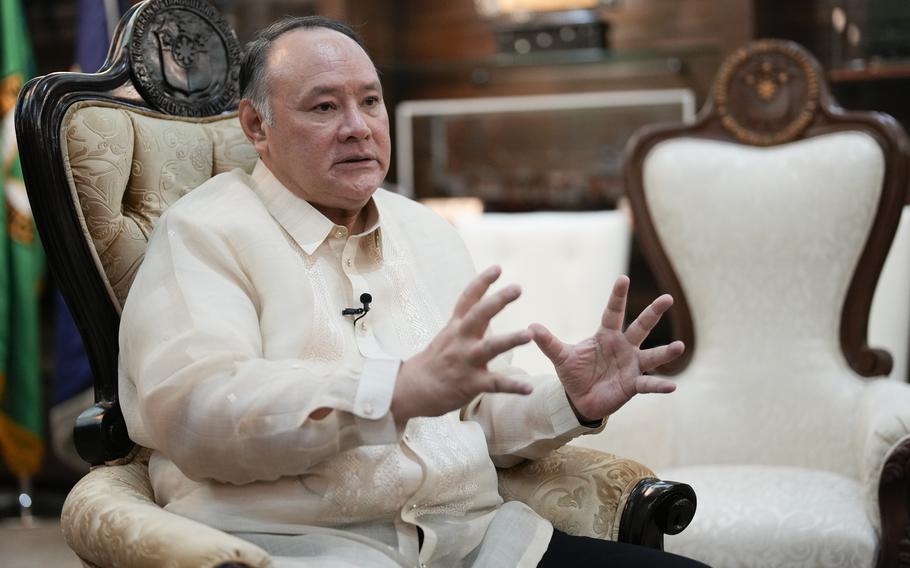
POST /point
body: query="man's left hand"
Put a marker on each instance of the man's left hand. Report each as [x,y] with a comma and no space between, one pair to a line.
[603,372]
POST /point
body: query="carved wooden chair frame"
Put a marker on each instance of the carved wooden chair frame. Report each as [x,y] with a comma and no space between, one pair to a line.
[129,78]
[749,78]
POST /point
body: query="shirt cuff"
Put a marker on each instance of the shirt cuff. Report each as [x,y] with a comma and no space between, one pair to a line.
[373,401]
[562,417]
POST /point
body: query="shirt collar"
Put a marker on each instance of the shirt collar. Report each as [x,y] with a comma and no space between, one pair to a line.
[304,223]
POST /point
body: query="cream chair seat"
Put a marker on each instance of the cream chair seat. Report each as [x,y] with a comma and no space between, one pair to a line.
[771,517]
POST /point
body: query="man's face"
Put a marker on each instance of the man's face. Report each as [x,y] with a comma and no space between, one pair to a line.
[329,138]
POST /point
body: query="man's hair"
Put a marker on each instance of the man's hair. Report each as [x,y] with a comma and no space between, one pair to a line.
[254,79]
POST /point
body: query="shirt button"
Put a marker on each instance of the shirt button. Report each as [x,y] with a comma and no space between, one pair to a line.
[348,262]
[406,438]
[364,326]
[413,506]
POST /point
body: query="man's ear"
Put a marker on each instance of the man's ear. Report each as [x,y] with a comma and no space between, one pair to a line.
[253,126]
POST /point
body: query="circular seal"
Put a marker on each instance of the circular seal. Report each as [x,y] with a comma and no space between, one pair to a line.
[184,58]
[767,92]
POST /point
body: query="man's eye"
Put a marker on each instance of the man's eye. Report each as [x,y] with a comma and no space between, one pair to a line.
[324,107]
[371,101]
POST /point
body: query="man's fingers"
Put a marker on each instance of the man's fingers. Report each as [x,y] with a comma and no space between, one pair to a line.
[490,347]
[647,384]
[649,359]
[615,312]
[475,290]
[647,319]
[478,317]
[548,343]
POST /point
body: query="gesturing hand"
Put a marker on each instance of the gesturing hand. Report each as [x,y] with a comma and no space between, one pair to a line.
[452,370]
[603,372]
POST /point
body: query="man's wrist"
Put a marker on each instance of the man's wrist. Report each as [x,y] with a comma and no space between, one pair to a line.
[583,420]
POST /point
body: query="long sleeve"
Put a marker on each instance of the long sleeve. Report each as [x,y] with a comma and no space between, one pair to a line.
[204,393]
[526,427]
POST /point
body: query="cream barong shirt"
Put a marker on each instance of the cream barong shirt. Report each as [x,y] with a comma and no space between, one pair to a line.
[232,336]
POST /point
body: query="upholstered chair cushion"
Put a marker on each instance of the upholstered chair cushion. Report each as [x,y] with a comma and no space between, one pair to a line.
[110,519]
[565,262]
[582,492]
[786,517]
[127,166]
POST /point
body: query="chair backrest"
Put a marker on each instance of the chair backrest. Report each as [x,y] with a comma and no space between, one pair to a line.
[104,154]
[769,219]
[772,174]
[566,263]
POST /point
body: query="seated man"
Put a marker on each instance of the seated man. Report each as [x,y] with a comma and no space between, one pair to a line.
[327,443]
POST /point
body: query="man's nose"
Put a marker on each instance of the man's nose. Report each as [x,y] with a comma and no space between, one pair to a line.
[354,125]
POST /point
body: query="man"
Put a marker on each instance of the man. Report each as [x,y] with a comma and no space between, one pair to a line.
[327,443]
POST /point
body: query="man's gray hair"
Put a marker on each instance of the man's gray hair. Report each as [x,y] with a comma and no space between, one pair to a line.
[254,77]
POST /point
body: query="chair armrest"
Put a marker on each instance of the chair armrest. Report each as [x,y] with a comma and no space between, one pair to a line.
[110,519]
[886,465]
[590,493]
[893,500]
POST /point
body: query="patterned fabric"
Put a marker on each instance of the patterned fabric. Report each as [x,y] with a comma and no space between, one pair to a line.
[775,516]
[242,281]
[110,519]
[582,492]
[126,167]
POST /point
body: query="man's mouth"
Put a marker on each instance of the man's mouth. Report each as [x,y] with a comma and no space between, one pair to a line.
[356,160]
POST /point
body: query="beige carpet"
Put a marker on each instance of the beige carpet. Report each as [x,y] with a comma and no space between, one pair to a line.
[39,546]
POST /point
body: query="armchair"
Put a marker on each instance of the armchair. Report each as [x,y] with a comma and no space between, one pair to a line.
[769,220]
[103,156]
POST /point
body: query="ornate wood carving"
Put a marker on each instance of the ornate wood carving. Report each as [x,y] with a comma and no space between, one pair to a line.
[184,57]
[771,92]
[767,93]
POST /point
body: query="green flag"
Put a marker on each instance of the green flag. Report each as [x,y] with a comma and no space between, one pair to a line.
[21,267]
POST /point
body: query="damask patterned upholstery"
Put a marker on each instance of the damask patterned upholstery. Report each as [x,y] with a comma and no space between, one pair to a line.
[126,166]
[111,519]
[771,517]
[783,442]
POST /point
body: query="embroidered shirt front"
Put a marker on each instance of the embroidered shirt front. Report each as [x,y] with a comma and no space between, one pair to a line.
[232,336]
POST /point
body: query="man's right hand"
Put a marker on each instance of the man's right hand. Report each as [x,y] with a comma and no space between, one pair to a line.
[452,370]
